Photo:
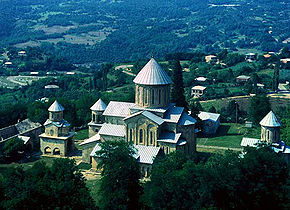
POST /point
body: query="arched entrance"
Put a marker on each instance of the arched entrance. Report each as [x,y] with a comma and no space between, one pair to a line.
[56,151]
[47,150]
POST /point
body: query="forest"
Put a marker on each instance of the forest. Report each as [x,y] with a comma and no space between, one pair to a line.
[90,31]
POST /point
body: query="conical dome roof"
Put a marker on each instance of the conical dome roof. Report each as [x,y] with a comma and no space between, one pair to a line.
[56,107]
[270,120]
[99,106]
[152,74]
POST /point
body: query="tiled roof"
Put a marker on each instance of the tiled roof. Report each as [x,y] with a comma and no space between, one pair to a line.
[146,154]
[99,106]
[94,138]
[173,114]
[60,124]
[198,87]
[112,130]
[186,119]
[208,116]
[152,74]
[169,137]
[158,120]
[250,142]
[118,109]
[56,107]
[270,120]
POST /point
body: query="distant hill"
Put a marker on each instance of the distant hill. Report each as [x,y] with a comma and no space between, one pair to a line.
[92,31]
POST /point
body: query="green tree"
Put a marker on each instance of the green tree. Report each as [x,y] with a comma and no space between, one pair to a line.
[259,107]
[119,187]
[13,147]
[177,92]
[275,82]
[212,109]
[105,68]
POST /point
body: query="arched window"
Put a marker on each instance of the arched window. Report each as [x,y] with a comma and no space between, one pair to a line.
[153,96]
[56,151]
[146,95]
[94,118]
[141,136]
[47,150]
[151,137]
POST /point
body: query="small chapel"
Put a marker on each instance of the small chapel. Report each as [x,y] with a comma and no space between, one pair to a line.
[153,124]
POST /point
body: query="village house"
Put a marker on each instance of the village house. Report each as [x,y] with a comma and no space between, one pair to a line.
[250,57]
[211,59]
[242,78]
[152,124]
[198,91]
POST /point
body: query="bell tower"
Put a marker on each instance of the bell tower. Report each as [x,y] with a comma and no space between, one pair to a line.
[270,128]
[152,85]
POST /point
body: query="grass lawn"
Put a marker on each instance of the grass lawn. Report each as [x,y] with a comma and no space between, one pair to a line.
[229,135]
[94,186]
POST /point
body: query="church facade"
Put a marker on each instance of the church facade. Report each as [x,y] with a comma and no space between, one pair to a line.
[152,123]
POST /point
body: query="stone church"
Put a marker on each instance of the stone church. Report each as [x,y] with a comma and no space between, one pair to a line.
[152,123]
[57,140]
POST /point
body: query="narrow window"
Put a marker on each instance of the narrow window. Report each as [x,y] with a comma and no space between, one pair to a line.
[159,96]
[131,135]
[153,96]
[151,137]
[141,136]
[94,118]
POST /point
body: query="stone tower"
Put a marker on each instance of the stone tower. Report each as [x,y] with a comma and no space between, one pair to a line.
[152,86]
[97,117]
[270,128]
[57,138]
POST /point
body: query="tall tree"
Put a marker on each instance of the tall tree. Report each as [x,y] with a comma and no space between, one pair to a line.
[275,82]
[260,106]
[119,187]
[177,92]
[105,68]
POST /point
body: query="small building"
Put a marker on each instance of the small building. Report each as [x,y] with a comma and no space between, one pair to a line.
[198,91]
[22,53]
[51,87]
[70,73]
[8,64]
[26,130]
[285,60]
[242,78]
[267,55]
[201,79]
[211,59]
[259,85]
[34,73]
[250,57]
[57,138]
[210,122]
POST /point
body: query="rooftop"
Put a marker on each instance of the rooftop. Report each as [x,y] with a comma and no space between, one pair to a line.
[208,116]
[112,130]
[169,137]
[55,107]
[99,106]
[270,120]
[152,74]
[186,119]
[198,87]
[146,154]
[118,109]
[158,120]
[94,138]
[251,142]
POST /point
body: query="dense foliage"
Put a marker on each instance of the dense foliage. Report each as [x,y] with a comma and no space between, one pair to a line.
[60,186]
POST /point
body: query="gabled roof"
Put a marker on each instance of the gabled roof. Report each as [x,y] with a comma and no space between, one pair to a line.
[60,124]
[186,119]
[112,130]
[146,154]
[118,109]
[158,120]
[55,107]
[173,114]
[270,120]
[169,137]
[198,87]
[94,138]
[251,142]
[99,106]
[208,116]
[152,74]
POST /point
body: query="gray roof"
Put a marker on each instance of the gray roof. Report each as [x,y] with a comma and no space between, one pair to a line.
[208,116]
[158,120]
[112,130]
[270,120]
[152,74]
[118,109]
[25,139]
[99,106]
[186,119]
[251,142]
[56,107]
[173,114]
[146,154]
[169,137]
[94,138]
[96,149]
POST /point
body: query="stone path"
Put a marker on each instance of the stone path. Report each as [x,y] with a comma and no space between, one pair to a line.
[221,148]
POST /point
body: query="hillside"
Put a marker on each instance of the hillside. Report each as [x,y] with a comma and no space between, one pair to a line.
[87,31]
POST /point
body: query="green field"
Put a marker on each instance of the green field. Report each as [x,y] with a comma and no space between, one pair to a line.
[229,135]
[82,134]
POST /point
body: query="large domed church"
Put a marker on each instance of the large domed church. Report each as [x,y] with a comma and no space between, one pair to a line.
[153,124]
